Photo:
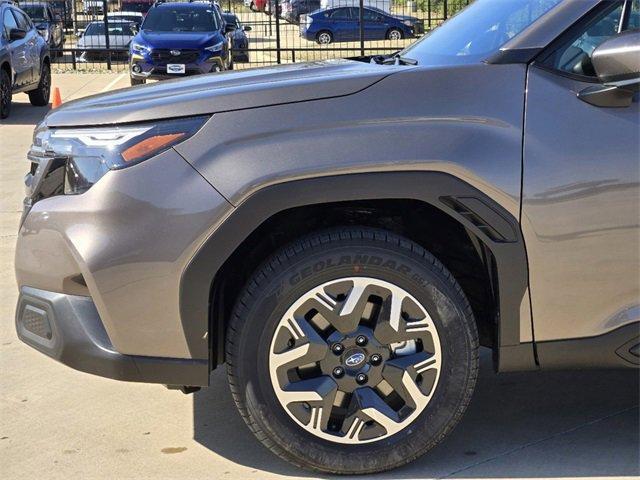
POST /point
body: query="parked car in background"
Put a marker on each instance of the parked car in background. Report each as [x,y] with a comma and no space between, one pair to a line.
[239,38]
[92,7]
[293,9]
[141,6]
[258,5]
[92,42]
[384,5]
[342,25]
[65,9]
[25,65]
[133,17]
[180,39]
[48,23]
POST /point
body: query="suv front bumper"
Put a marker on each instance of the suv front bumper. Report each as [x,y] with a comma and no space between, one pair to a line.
[114,256]
[68,328]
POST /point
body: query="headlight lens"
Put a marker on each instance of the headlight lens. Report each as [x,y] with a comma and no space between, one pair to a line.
[139,48]
[91,152]
[215,48]
[408,23]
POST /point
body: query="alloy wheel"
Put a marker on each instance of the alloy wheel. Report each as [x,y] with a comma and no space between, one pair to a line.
[355,360]
[324,38]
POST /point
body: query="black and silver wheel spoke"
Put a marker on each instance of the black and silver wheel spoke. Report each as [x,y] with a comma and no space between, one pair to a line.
[355,360]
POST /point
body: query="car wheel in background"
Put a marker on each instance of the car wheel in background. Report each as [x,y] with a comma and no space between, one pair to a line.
[352,351]
[5,94]
[40,96]
[324,37]
[394,34]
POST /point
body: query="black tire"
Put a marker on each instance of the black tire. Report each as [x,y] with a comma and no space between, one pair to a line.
[5,94]
[137,81]
[40,96]
[312,261]
[393,32]
[324,34]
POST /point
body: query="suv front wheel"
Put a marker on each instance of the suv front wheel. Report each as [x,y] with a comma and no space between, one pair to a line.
[352,351]
[40,96]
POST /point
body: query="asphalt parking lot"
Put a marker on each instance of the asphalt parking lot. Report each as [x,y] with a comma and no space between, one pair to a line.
[59,423]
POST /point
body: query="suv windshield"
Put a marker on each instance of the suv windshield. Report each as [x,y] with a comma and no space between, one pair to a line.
[35,12]
[182,19]
[477,31]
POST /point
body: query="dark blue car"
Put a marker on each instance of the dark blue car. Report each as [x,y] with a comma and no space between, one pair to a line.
[179,39]
[342,25]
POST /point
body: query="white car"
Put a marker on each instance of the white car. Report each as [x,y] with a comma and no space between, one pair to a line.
[92,42]
[132,17]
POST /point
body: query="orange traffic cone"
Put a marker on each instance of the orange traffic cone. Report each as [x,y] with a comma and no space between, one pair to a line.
[57,99]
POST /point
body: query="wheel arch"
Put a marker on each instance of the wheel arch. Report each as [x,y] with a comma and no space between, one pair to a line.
[203,303]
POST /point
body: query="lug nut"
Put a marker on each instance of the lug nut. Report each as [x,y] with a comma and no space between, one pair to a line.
[361,340]
[375,359]
[337,348]
[361,379]
[338,372]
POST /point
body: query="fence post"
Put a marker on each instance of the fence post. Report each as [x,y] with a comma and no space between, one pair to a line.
[446,9]
[361,26]
[278,55]
[429,13]
[106,33]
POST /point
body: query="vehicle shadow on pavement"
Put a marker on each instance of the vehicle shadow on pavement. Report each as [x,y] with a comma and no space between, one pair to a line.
[23,113]
[520,425]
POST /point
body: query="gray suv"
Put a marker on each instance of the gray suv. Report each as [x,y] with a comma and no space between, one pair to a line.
[344,235]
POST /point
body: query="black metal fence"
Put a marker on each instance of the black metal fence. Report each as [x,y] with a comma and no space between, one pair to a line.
[344,28]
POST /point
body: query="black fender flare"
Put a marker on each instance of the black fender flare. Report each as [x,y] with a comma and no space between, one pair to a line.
[489,221]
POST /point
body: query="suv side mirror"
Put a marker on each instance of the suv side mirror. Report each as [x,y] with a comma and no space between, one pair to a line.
[246,28]
[617,64]
[229,27]
[17,34]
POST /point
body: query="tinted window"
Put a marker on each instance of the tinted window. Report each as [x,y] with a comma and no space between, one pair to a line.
[36,12]
[9,22]
[634,17]
[22,19]
[370,15]
[340,14]
[232,19]
[575,55]
[477,31]
[181,20]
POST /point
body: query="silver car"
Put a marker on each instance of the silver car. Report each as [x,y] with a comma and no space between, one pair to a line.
[346,234]
[92,42]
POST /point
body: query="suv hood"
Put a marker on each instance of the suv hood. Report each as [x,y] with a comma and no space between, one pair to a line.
[218,92]
[178,40]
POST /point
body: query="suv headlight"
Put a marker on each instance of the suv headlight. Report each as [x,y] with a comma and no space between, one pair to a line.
[215,48]
[89,153]
[408,23]
[139,48]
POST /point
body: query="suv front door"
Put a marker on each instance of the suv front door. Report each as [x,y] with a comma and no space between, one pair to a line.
[581,206]
[18,50]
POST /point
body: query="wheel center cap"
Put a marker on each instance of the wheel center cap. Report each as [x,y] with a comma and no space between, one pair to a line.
[354,358]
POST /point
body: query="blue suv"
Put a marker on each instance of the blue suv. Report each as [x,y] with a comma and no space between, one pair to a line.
[24,59]
[180,39]
[342,25]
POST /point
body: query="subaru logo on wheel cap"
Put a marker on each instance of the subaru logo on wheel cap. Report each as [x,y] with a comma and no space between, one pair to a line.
[175,53]
[355,359]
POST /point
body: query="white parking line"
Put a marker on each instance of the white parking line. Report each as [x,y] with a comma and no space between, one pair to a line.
[112,83]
